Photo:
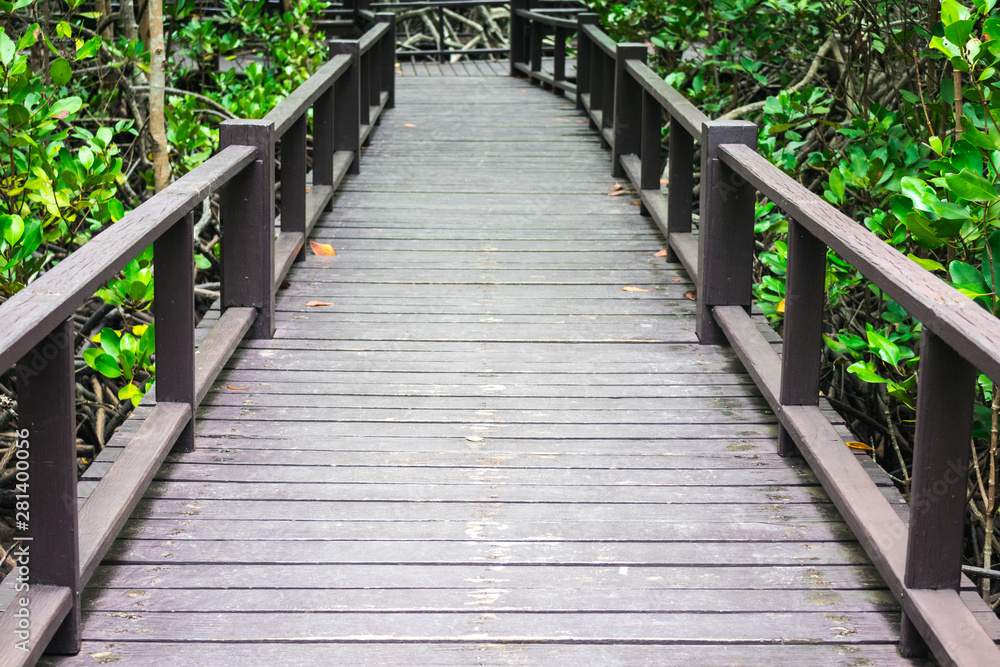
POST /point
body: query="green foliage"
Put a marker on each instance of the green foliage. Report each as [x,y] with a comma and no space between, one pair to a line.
[127,356]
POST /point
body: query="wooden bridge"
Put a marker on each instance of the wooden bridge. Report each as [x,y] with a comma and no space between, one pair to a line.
[498,427]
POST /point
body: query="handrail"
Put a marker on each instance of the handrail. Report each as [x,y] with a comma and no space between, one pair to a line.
[553,21]
[346,96]
[625,101]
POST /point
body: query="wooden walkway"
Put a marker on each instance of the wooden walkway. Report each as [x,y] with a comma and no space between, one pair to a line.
[485,450]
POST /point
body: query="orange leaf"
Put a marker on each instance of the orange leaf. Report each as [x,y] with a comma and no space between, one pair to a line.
[237,388]
[615,187]
[664,181]
[780,308]
[409,125]
[563,120]
[618,193]
[630,288]
[859,445]
[635,203]
[524,91]
[676,280]
[693,295]
[322,248]
[662,253]
[314,304]
[581,121]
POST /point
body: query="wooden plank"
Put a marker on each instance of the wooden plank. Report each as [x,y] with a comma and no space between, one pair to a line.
[218,346]
[110,504]
[31,620]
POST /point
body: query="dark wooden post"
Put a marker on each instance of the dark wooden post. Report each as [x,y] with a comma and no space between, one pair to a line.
[248,225]
[680,182]
[583,60]
[597,84]
[940,474]
[628,107]
[173,284]
[518,36]
[293,180]
[803,326]
[323,126]
[536,32]
[559,59]
[47,398]
[725,241]
[609,65]
[442,47]
[387,76]
[652,122]
[347,101]
[364,89]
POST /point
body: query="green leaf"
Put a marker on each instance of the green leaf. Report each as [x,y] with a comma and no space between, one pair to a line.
[64,107]
[115,210]
[110,341]
[13,228]
[17,115]
[86,157]
[885,348]
[7,49]
[971,186]
[202,262]
[60,71]
[102,363]
[130,393]
[837,185]
[29,37]
[88,48]
[928,264]
[990,258]
[952,11]
[835,345]
[866,372]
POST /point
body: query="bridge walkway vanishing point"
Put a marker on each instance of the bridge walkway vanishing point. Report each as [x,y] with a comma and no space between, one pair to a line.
[469,443]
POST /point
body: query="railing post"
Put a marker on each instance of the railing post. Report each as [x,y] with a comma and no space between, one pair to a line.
[323,143]
[387,76]
[248,226]
[536,32]
[559,59]
[628,107]
[725,241]
[518,36]
[173,284]
[46,389]
[945,395]
[650,141]
[609,64]
[364,88]
[803,326]
[583,59]
[347,102]
[293,180]
[680,182]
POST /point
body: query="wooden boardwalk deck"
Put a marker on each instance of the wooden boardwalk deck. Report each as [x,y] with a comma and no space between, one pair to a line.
[484,451]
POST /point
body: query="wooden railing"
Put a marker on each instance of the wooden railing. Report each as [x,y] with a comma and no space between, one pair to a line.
[529,24]
[59,547]
[921,563]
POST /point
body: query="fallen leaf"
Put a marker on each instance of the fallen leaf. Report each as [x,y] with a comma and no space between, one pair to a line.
[693,295]
[524,91]
[630,288]
[473,438]
[618,193]
[662,253]
[237,388]
[617,186]
[635,203]
[664,181]
[676,280]
[581,121]
[322,248]
[285,284]
[780,308]
[563,120]
[859,445]
[409,125]
[316,304]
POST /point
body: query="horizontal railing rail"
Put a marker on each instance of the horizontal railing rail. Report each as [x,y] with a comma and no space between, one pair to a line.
[921,563]
[59,546]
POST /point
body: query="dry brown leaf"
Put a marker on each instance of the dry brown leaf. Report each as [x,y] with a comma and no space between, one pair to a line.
[618,193]
[581,121]
[617,186]
[524,91]
[676,280]
[409,125]
[237,388]
[664,181]
[563,120]
[284,284]
[693,295]
[322,248]
[635,203]
[316,304]
[631,288]
[859,445]
[662,253]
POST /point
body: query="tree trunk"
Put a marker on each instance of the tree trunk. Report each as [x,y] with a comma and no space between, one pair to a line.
[157,83]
